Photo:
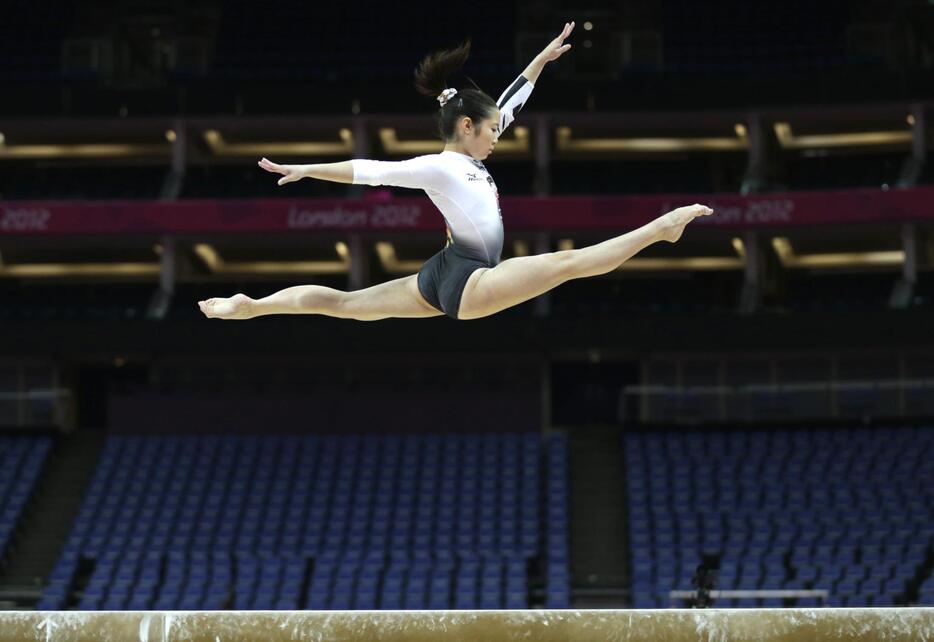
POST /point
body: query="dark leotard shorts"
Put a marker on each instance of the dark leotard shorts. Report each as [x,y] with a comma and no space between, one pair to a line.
[443,277]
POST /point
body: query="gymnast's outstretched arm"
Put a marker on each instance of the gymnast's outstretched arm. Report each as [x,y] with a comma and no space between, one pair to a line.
[341,172]
[420,172]
[516,95]
[552,51]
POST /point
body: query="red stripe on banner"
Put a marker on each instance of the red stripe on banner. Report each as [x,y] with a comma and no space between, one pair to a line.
[419,214]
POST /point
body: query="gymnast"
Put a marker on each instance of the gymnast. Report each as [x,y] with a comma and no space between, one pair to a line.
[465,280]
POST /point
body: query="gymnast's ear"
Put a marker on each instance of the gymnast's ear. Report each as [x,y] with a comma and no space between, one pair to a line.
[466,125]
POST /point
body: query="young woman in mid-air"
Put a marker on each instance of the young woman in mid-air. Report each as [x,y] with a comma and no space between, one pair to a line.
[465,280]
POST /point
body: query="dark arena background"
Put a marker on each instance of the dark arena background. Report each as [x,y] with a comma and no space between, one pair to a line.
[730,437]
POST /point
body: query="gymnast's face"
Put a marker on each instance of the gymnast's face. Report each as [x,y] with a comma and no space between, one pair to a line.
[479,138]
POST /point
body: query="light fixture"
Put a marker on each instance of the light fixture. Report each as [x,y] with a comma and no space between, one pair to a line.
[220,147]
[50,270]
[689,263]
[386,252]
[209,255]
[788,258]
[789,140]
[84,150]
[686,263]
[518,143]
[567,143]
[389,139]
[217,265]
[392,145]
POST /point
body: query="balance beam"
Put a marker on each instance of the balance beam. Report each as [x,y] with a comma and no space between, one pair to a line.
[663,625]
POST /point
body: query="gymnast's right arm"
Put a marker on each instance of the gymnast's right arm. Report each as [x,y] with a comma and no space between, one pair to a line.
[421,172]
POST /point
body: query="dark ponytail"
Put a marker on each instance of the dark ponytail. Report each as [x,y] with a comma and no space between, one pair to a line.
[431,79]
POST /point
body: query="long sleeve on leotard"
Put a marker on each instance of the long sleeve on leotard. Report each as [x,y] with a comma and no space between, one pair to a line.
[512,101]
[421,172]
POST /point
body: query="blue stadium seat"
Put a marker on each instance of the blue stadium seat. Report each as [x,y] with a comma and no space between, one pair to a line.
[803,523]
[434,503]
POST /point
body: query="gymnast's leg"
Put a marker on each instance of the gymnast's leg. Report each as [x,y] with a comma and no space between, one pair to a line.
[397,298]
[519,279]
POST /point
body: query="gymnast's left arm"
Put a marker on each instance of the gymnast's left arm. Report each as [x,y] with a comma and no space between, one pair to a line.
[515,96]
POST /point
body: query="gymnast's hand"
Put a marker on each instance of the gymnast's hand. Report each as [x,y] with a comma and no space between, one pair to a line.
[552,51]
[290,173]
[557,47]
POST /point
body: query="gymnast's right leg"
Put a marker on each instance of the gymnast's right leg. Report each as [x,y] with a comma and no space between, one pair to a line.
[397,298]
[489,290]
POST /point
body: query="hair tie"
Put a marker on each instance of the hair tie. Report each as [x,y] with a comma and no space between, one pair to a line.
[446,95]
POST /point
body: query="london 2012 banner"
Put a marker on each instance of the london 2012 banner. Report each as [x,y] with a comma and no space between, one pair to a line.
[791,209]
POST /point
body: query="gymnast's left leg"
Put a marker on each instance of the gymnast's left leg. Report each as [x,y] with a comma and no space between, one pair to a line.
[519,279]
[398,298]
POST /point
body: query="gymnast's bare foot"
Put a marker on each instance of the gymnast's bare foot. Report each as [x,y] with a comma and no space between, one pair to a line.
[672,224]
[239,306]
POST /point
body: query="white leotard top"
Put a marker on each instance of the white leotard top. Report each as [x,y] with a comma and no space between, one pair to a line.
[458,185]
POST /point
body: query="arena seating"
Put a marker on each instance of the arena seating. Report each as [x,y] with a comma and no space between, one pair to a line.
[304,46]
[46,181]
[848,511]
[298,44]
[31,47]
[786,37]
[38,302]
[21,460]
[248,181]
[808,292]
[558,578]
[701,293]
[926,590]
[843,171]
[695,173]
[319,522]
